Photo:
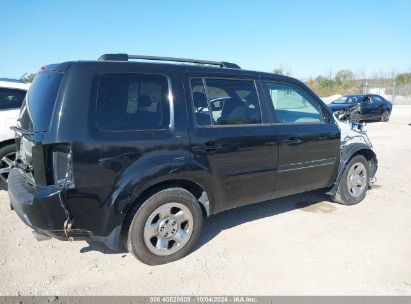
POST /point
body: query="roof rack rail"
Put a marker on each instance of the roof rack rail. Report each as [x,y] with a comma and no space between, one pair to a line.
[126,57]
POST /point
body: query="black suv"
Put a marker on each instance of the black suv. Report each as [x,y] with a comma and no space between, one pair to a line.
[137,153]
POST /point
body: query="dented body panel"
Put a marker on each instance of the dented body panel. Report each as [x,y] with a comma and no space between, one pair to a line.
[354,140]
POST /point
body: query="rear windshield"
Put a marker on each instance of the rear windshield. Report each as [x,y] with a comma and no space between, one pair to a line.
[39,103]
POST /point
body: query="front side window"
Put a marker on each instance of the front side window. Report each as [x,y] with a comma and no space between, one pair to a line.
[292,105]
[367,100]
[225,102]
[11,98]
[348,99]
[133,102]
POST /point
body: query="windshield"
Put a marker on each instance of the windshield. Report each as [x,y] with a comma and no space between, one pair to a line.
[37,108]
[348,99]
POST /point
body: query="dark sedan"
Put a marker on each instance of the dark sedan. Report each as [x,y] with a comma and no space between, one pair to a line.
[365,107]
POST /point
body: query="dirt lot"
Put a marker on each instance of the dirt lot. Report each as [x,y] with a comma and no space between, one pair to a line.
[298,245]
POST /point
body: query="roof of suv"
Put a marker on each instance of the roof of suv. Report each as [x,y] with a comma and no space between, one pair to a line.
[178,64]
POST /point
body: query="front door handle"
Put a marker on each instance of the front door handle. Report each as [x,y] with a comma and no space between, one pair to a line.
[292,141]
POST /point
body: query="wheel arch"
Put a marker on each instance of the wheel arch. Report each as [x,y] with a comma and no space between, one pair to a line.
[347,154]
[370,156]
[194,188]
[199,192]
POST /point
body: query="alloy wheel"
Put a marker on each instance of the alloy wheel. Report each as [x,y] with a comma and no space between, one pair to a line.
[6,164]
[168,229]
[357,179]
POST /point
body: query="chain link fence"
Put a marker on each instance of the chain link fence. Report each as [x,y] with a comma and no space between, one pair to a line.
[397,94]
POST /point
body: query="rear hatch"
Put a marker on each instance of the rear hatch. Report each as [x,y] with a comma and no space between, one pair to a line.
[34,120]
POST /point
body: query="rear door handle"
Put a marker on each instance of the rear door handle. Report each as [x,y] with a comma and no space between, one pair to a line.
[292,141]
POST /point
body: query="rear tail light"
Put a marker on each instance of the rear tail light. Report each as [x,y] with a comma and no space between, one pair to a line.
[62,166]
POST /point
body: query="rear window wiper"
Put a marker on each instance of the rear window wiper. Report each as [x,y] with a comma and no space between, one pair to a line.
[21,130]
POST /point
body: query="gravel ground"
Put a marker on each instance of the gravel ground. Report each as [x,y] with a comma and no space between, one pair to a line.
[302,244]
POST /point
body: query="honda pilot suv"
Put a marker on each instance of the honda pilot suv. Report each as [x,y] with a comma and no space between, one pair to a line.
[128,151]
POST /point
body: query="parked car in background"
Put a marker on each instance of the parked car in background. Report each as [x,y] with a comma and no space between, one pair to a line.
[137,153]
[12,93]
[363,107]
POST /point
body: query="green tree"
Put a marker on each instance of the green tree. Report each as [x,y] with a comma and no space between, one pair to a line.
[344,77]
[28,78]
[323,82]
[403,78]
[323,86]
[279,71]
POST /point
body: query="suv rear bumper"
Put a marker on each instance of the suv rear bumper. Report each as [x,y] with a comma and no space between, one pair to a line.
[38,208]
[41,209]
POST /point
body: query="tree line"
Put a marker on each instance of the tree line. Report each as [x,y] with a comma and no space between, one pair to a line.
[346,82]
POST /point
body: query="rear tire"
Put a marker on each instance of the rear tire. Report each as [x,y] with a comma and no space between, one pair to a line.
[7,158]
[354,182]
[166,227]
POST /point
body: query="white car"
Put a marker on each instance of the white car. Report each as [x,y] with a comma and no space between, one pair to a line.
[12,93]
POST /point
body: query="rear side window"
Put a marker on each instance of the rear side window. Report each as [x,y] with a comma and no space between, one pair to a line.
[11,98]
[225,102]
[133,102]
[38,107]
[377,99]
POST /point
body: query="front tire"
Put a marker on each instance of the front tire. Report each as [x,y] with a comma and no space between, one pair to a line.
[166,227]
[355,117]
[7,158]
[354,182]
[385,116]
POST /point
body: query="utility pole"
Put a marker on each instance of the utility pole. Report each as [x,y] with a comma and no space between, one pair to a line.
[365,88]
[393,91]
